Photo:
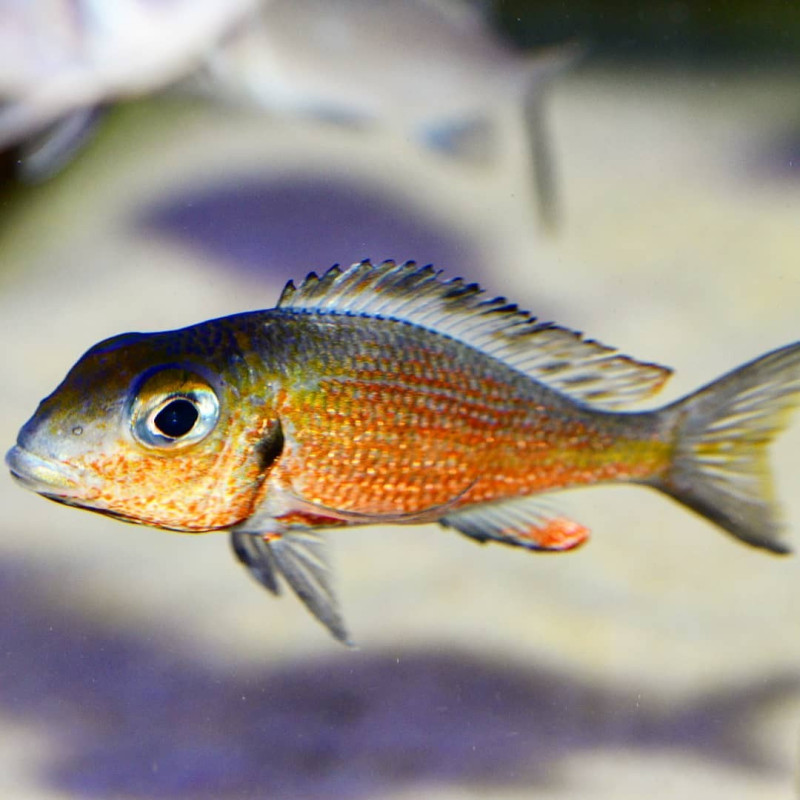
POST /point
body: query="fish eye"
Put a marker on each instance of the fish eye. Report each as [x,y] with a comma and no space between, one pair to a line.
[173,408]
[177,418]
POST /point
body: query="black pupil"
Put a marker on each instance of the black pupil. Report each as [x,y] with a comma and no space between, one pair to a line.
[177,418]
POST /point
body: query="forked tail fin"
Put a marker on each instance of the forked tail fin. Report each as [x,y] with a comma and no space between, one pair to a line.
[720,467]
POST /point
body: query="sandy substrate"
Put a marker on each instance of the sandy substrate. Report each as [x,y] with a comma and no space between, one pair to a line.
[662,660]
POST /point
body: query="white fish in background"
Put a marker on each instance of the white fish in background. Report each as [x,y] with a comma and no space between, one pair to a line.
[61,59]
[432,68]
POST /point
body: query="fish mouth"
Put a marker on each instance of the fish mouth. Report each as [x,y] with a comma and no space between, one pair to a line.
[44,476]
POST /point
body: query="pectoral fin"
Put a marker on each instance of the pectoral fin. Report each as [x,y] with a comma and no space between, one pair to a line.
[522,522]
[301,558]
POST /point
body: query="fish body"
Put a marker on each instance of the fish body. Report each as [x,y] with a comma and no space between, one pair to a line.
[409,62]
[431,421]
[386,394]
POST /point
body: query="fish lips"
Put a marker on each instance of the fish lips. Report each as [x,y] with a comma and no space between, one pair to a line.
[44,476]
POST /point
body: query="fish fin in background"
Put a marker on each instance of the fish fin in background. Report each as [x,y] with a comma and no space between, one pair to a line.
[522,522]
[301,558]
[544,68]
[587,371]
[720,467]
[45,154]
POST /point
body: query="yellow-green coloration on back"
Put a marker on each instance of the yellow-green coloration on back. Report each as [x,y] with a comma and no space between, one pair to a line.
[385,394]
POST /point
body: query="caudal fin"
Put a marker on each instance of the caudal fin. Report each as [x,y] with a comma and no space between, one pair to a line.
[720,468]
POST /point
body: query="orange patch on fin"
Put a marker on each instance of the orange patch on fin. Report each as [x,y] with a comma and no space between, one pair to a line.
[552,534]
[521,522]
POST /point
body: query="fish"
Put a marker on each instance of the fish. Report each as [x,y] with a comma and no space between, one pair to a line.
[434,70]
[62,62]
[388,393]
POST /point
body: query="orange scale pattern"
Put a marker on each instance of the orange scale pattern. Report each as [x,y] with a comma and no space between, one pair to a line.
[401,428]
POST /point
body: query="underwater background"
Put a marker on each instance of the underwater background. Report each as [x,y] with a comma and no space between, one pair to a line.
[661,660]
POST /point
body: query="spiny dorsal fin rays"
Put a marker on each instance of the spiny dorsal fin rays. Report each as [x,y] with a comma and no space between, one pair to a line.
[559,357]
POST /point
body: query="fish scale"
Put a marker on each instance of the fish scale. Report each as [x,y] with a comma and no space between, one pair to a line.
[450,403]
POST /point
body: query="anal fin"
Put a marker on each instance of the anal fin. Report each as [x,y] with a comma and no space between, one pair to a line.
[520,522]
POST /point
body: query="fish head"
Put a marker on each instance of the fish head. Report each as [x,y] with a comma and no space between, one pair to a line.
[158,429]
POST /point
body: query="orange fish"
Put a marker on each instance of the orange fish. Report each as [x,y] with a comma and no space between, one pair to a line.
[383,394]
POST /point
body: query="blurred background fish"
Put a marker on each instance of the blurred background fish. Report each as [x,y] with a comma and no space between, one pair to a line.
[61,60]
[431,70]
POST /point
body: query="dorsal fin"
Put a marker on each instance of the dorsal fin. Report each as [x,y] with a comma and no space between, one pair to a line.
[561,358]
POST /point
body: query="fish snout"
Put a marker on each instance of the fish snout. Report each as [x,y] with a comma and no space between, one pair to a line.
[42,475]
